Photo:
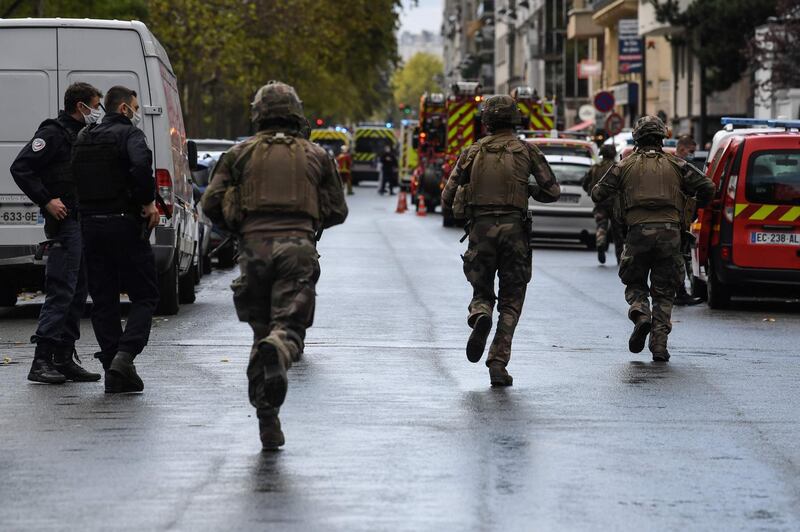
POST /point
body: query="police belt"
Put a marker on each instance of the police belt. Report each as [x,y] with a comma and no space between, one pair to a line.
[506,217]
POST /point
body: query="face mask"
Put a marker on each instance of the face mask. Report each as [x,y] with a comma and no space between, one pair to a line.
[135,117]
[689,157]
[94,115]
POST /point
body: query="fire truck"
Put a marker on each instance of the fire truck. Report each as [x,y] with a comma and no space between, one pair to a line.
[538,114]
[448,125]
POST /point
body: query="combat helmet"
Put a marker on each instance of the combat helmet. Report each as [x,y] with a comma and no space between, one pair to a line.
[608,151]
[500,111]
[649,126]
[277,101]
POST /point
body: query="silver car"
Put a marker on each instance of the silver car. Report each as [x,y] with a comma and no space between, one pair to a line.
[569,218]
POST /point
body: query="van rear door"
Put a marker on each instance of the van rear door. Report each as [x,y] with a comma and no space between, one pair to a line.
[29,94]
[766,232]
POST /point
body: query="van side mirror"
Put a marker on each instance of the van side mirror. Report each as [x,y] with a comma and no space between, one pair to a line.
[191,148]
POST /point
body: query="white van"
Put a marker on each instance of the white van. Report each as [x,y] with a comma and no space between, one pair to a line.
[40,58]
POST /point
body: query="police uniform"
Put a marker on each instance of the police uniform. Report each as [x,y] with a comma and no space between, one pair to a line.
[490,185]
[275,191]
[43,171]
[653,188]
[114,173]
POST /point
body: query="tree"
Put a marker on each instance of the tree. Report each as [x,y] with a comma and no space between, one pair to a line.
[717,33]
[423,73]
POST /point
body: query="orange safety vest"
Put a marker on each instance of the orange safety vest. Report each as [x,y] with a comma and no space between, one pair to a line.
[345,161]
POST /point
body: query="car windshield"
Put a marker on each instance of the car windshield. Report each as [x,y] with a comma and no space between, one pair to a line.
[213,146]
[565,149]
[569,174]
[774,177]
[372,144]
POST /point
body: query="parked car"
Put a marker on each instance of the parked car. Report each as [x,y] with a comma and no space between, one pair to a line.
[748,238]
[566,146]
[212,148]
[216,241]
[570,218]
[50,54]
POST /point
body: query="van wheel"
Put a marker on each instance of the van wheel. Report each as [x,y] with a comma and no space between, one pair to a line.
[186,284]
[8,295]
[699,288]
[719,295]
[168,288]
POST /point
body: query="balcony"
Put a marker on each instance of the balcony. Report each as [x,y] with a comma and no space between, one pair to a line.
[580,24]
[608,12]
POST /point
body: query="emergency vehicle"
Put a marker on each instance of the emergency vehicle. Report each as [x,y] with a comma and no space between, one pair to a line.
[748,237]
[409,158]
[370,142]
[332,139]
[430,141]
[538,114]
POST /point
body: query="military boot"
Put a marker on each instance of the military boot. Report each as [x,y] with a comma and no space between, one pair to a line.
[42,369]
[267,377]
[477,339]
[269,428]
[658,346]
[661,355]
[121,376]
[67,362]
[601,254]
[641,329]
[498,376]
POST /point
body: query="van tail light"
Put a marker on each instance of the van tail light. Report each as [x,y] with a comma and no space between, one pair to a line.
[730,196]
[725,253]
[164,187]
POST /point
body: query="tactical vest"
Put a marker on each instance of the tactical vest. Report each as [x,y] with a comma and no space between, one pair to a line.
[101,177]
[57,177]
[275,178]
[494,178]
[652,181]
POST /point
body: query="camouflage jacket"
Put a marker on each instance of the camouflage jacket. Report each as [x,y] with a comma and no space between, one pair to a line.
[333,207]
[545,189]
[694,184]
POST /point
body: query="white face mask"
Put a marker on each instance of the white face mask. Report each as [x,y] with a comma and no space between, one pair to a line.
[135,118]
[94,115]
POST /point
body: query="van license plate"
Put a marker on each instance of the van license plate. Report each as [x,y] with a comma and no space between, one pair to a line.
[20,215]
[779,239]
[569,198]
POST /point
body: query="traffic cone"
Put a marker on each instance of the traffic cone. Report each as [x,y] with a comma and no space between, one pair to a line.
[402,204]
[421,209]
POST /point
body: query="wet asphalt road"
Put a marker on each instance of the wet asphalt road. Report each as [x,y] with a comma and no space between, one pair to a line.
[388,426]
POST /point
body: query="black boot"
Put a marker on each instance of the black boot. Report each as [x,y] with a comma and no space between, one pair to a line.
[42,369]
[601,254]
[661,355]
[266,374]
[498,376]
[121,376]
[639,335]
[477,339]
[66,361]
[269,428]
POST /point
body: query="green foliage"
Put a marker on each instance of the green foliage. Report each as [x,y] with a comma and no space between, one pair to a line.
[423,73]
[718,33]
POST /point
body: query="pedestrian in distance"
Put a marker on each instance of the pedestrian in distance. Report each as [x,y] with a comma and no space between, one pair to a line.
[43,171]
[345,163]
[389,167]
[114,174]
[489,187]
[607,228]
[685,150]
[276,191]
[653,188]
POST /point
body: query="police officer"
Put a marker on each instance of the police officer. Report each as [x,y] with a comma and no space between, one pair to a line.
[603,212]
[113,170]
[653,188]
[490,185]
[389,167]
[275,190]
[43,171]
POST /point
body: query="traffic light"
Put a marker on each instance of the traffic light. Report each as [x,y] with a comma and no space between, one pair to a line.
[405,108]
[320,122]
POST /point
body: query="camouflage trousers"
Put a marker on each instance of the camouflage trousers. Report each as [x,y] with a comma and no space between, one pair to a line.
[654,251]
[275,293]
[498,246]
[605,224]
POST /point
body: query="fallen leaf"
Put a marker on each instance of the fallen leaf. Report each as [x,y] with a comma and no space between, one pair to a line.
[224,360]
[6,360]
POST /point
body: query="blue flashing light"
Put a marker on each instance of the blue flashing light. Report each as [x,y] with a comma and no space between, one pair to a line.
[404,122]
[766,122]
[389,125]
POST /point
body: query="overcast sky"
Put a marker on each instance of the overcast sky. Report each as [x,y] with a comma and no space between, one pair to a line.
[426,16]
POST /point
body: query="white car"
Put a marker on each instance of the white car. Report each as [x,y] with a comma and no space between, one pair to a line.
[569,218]
[212,148]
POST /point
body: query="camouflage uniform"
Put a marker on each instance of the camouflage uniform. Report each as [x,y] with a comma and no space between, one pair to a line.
[653,241]
[278,258]
[500,232]
[603,212]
